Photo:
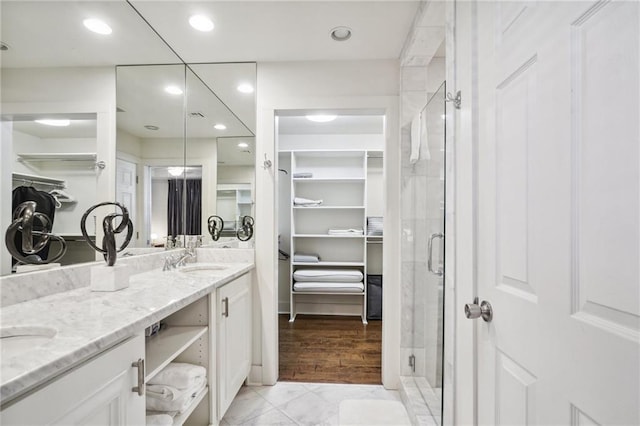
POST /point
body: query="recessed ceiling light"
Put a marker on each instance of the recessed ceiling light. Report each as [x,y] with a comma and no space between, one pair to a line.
[321,118]
[151,127]
[97,26]
[175,171]
[243,145]
[220,126]
[51,122]
[341,33]
[174,90]
[201,23]
[245,88]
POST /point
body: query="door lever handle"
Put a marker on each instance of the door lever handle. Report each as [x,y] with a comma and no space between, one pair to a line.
[484,310]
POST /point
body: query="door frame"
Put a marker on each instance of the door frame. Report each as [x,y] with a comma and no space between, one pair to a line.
[265,356]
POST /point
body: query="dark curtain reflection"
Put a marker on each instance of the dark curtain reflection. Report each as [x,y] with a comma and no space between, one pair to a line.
[194,207]
[174,207]
[193,222]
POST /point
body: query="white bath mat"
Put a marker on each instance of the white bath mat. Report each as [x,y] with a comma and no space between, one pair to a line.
[372,412]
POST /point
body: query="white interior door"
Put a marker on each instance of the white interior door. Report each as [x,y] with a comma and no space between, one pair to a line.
[126,194]
[558,210]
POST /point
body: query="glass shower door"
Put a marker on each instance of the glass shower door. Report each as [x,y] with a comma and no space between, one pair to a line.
[428,306]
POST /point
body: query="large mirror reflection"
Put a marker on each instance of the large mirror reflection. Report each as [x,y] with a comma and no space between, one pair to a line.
[169,121]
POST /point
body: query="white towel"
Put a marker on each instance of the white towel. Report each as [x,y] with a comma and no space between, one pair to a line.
[159,420]
[180,405]
[424,141]
[299,201]
[346,232]
[179,375]
[170,393]
[415,139]
[309,258]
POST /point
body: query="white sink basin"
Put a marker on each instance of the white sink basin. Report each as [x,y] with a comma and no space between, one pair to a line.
[204,269]
[17,340]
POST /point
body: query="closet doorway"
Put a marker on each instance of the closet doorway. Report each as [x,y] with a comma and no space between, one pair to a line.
[330,215]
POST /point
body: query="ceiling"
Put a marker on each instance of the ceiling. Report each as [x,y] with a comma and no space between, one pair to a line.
[51,34]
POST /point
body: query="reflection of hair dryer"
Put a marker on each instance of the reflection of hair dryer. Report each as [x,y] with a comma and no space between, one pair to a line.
[245,232]
[215,224]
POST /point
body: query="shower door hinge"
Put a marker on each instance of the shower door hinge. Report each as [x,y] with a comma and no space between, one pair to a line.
[412,362]
[457,100]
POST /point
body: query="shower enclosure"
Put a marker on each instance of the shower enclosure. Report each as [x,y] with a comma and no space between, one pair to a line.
[423,219]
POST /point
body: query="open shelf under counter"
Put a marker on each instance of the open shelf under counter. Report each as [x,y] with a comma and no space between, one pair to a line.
[165,346]
[329,293]
[181,418]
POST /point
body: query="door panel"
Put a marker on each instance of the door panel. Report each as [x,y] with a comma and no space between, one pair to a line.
[558,212]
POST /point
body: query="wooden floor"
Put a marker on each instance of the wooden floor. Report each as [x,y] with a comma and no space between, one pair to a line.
[330,349]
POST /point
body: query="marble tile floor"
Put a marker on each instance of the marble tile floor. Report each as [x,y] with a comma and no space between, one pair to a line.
[295,403]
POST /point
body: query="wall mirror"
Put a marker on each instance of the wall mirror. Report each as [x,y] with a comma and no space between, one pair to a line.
[171,124]
[54,68]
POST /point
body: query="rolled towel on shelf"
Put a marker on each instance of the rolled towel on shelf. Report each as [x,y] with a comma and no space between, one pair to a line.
[303,257]
[179,375]
[299,201]
[159,419]
[170,393]
[180,405]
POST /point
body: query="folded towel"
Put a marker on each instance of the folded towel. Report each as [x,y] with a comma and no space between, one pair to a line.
[328,275]
[169,393]
[159,420]
[309,258]
[298,201]
[179,375]
[180,405]
[346,232]
[303,175]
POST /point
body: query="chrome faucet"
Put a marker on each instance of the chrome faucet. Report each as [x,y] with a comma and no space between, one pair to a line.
[173,262]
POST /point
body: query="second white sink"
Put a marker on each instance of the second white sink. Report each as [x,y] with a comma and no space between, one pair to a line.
[20,339]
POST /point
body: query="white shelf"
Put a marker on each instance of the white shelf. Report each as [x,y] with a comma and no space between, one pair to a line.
[328,207]
[181,418]
[165,346]
[329,180]
[326,236]
[330,293]
[36,179]
[328,263]
[58,156]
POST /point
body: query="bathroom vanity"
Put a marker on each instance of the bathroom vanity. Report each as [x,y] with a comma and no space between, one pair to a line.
[85,357]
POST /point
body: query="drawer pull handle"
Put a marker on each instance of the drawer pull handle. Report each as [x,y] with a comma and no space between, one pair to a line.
[225,307]
[140,366]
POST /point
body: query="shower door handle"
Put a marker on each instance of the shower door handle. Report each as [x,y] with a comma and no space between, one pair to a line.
[439,272]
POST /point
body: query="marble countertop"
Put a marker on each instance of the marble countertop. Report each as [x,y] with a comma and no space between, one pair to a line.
[88,323]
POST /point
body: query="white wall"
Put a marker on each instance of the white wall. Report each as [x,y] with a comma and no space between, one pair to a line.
[308,85]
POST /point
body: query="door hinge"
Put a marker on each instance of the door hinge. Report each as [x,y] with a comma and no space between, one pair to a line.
[136,179]
[457,100]
[412,362]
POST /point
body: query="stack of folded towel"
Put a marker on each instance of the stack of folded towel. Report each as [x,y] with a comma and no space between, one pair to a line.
[159,420]
[303,175]
[346,231]
[305,202]
[174,388]
[306,257]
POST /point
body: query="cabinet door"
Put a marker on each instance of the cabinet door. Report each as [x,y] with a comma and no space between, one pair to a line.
[97,393]
[234,339]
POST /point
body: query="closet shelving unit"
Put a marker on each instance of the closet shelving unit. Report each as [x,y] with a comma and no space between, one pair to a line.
[88,159]
[339,180]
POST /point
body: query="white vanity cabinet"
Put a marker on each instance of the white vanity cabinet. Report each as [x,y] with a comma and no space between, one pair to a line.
[233,339]
[99,392]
